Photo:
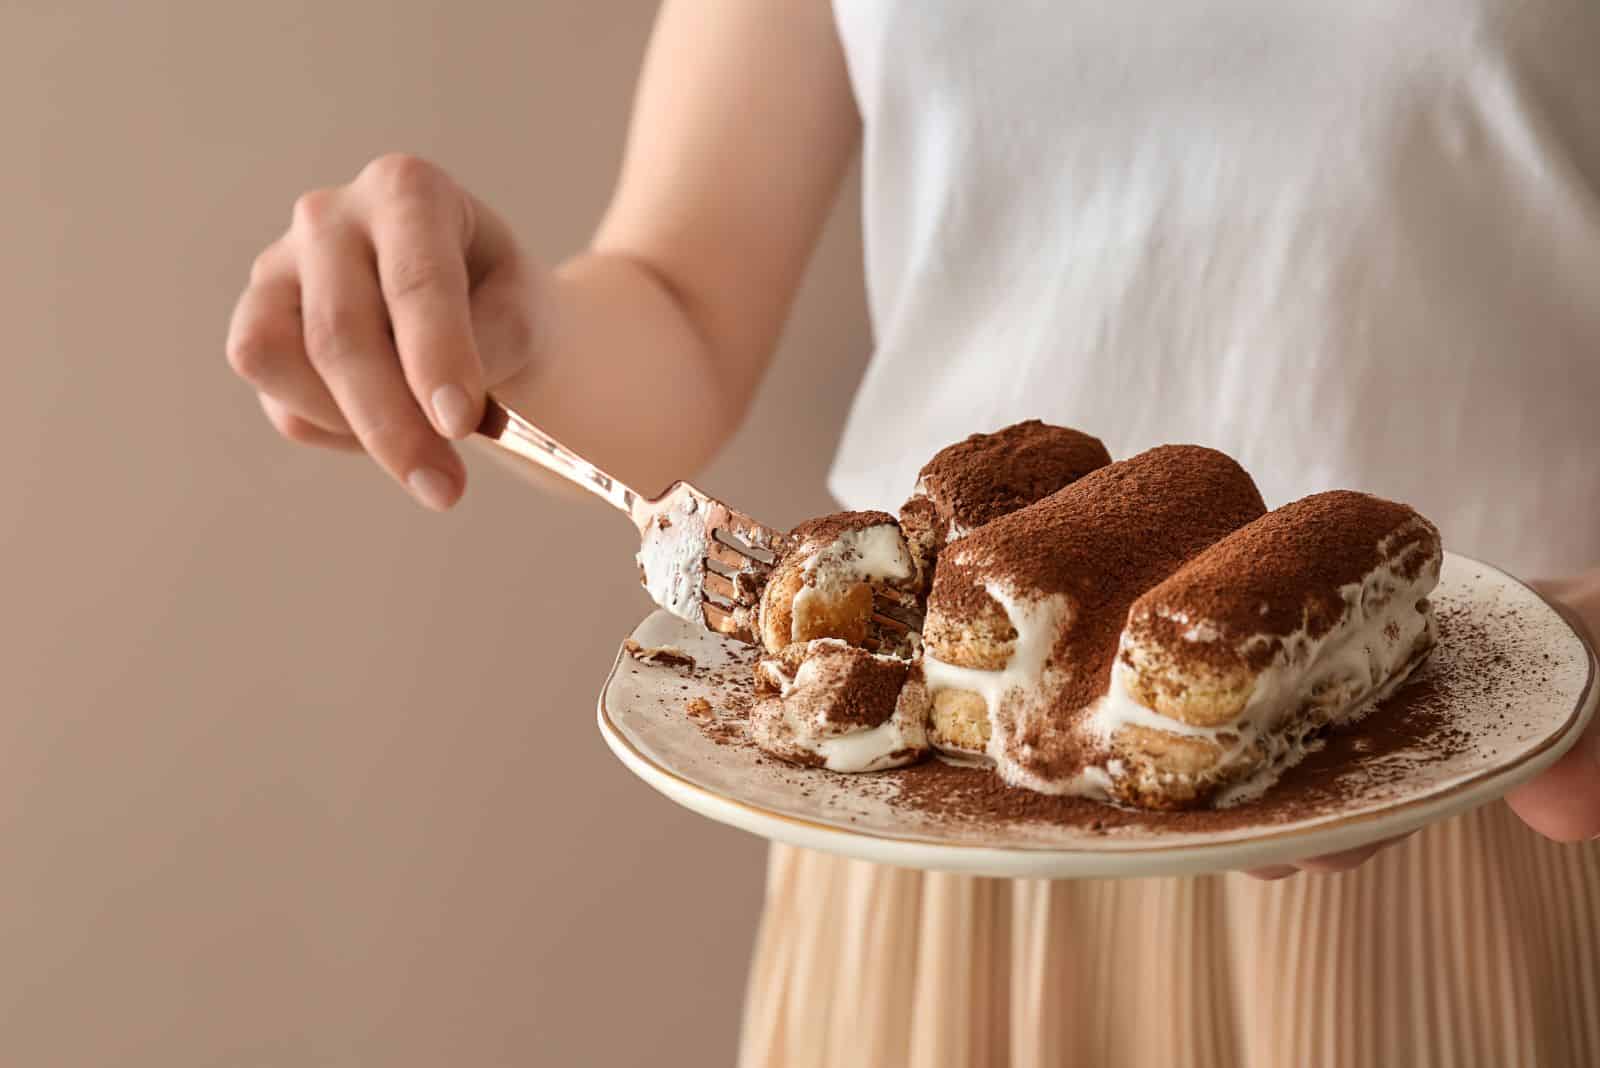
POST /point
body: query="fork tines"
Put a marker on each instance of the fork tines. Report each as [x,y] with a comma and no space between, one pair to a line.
[740,554]
[730,556]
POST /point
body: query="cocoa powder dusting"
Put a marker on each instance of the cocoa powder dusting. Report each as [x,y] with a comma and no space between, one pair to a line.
[1100,542]
[1414,726]
[845,685]
[724,723]
[866,689]
[1415,718]
[987,476]
[1282,572]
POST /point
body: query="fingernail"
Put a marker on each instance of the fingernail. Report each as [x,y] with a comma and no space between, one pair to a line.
[452,410]
[433,488]
[1273,872]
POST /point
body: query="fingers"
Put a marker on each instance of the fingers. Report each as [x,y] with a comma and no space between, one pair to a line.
[347,343]
[1343,861]
[303,432]
[503,292]
[1326,864]
[1275,872]
[420,229]
[1563,803]
[502,325]
[361,327]
[266,345]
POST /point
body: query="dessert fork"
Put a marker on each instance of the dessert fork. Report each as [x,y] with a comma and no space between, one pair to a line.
[698,558]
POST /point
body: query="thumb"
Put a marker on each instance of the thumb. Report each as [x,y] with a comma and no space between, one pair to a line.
[504,284]
[1563,802]
[502,325]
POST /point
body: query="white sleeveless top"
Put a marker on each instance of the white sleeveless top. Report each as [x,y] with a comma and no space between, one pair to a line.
[1353,244]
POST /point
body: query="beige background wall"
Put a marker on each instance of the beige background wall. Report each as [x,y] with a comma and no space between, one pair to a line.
[291,772]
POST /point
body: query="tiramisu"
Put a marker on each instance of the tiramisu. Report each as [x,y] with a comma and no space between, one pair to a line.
[1025,613]
[986,476]
[1141,632]
[826,583]
[825,703]
[1296,622]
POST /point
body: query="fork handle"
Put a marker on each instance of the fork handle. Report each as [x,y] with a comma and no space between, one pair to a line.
[514,434]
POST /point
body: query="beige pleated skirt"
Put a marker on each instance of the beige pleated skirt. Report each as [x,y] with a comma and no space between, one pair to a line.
[1474,942]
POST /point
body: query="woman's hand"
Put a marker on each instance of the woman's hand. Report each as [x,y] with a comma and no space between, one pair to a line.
[380,318]
[1331,862]
[393,302]
[1564,802]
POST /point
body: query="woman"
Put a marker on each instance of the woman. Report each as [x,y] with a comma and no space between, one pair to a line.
[1353,246]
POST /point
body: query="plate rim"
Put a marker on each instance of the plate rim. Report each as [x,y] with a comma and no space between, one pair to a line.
[1144,858]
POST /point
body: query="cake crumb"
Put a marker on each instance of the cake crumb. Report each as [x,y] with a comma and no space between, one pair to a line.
[667,655]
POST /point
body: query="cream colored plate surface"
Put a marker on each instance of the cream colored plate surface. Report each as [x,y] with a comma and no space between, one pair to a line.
[1523,686]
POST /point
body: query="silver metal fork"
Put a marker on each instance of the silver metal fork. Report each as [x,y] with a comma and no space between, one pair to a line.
[698,558]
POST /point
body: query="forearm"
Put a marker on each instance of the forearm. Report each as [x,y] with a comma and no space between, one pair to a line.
[623,371]
[648,347]
[379,320]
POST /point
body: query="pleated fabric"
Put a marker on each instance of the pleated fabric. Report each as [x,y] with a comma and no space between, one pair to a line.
[1474,942]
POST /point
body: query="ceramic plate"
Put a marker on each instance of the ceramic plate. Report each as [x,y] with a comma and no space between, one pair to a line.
[1521,686]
